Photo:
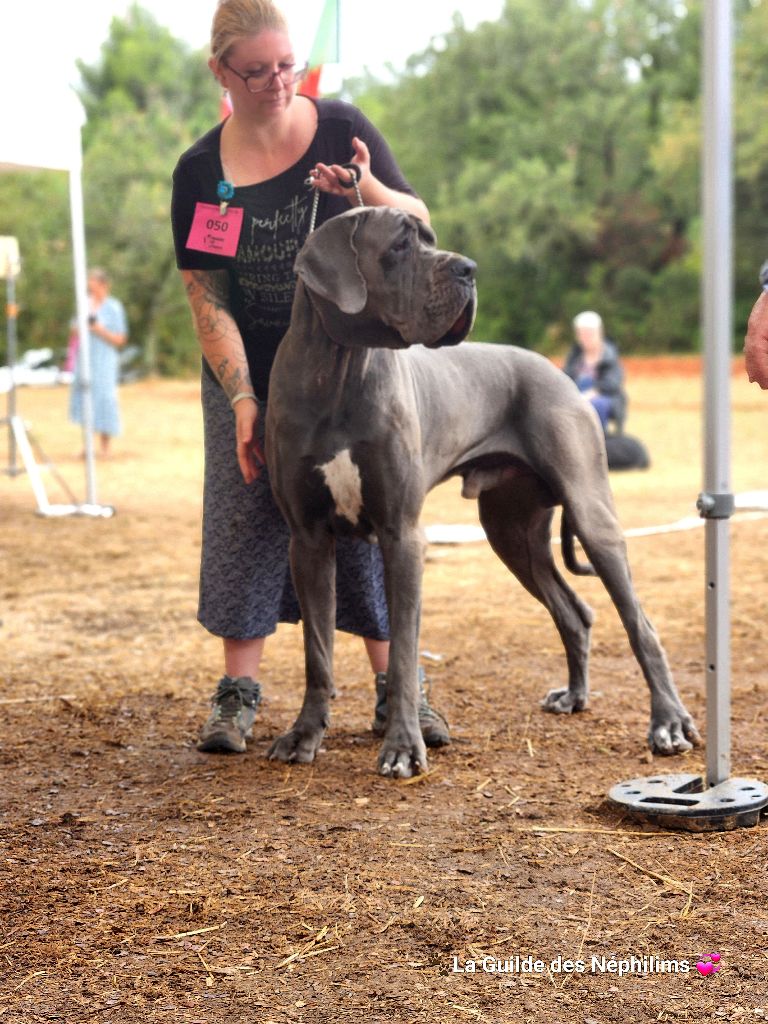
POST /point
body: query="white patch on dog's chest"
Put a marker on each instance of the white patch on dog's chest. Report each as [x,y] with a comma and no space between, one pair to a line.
[343,480]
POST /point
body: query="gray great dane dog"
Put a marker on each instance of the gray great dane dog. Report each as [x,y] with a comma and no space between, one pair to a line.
[371,405]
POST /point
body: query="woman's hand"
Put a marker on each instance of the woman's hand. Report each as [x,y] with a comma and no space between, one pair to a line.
[328,178]
[373,191]
[113,338]
[250,456]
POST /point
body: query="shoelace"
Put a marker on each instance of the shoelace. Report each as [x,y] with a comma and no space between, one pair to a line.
[232,690]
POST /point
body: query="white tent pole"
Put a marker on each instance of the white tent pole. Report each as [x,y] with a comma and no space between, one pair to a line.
[11,358]
[716,503]
[83,381]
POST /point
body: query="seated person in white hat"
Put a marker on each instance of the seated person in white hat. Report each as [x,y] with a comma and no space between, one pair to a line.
[593,363]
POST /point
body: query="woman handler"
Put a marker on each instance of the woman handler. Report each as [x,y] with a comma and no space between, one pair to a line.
[240,214]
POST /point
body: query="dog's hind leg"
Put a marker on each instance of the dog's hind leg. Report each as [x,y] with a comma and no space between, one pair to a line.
[517,522]
[313,565]
[672,730]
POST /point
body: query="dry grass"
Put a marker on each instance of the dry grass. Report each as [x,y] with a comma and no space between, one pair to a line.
[142,881]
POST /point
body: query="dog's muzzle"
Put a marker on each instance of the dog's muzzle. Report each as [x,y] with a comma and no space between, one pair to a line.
[463,270]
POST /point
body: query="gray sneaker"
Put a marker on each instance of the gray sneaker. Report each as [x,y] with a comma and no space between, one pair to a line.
[231,720]
[434,727]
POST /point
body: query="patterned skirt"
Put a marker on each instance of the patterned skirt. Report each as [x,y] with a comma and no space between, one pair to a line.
[245,578]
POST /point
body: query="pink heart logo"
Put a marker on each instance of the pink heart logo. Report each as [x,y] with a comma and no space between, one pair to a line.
[715,958]
[705,969]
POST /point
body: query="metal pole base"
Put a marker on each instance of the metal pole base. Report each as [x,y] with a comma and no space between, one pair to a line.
[93,511]
[685,802]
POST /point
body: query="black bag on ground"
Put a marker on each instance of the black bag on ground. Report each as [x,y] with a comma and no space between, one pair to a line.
[626,452]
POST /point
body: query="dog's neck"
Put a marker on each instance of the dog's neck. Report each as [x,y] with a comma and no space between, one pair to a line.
[326,365]
[358,331]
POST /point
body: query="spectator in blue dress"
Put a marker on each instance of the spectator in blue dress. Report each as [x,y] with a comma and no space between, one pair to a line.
[593,363]
[108,332]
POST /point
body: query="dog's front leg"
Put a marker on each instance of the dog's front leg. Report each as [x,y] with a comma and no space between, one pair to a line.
[313,566]
[403,751]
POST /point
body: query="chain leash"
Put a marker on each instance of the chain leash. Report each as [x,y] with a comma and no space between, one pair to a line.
[353,182]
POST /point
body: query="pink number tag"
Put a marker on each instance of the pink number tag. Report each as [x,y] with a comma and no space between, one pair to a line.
[215,232]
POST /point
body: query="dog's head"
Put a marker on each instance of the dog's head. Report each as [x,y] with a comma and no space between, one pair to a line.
[376,278]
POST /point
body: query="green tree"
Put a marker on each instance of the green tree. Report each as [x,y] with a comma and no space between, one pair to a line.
[751,164]
[560,148]
[34,208]
[148,98]
[143,68]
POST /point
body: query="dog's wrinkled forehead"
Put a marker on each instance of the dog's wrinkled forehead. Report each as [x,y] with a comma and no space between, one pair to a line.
[384,226]
[362,251]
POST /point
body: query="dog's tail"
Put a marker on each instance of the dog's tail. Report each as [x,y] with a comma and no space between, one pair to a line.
[567,537]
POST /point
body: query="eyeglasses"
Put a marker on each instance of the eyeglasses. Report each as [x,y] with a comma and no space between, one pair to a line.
[259,81]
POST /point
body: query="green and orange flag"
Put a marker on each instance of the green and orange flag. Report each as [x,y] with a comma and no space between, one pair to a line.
[325,48]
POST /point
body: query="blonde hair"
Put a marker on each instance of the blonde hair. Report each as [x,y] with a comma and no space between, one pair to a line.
[237,18]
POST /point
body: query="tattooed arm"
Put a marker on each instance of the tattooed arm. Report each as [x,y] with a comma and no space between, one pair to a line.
[217,332]
[222,347]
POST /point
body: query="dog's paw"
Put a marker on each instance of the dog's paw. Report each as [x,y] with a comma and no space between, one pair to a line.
[564,702]
[400,758]
[673,732]
[297,746]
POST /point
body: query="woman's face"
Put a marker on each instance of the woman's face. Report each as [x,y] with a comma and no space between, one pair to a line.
[97,290]
[266,60]
[590,340]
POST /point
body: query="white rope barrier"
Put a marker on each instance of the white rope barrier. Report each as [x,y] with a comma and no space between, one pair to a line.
[750,505]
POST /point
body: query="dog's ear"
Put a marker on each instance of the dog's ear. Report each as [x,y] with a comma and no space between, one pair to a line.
[327,264]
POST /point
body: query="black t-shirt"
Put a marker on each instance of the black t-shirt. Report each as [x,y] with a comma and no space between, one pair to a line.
[276,216]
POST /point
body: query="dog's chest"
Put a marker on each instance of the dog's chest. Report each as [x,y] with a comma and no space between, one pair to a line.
[342,478]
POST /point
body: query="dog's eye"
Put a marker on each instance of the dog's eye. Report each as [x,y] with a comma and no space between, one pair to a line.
[390,258]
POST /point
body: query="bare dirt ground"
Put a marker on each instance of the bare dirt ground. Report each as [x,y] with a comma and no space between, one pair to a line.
[144,881]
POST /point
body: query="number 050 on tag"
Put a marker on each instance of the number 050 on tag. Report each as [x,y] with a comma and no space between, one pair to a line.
[215,232]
